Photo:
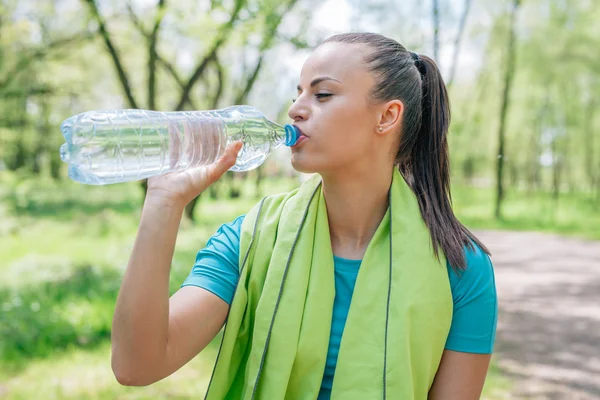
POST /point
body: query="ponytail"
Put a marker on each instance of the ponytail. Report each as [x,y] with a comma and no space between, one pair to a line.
[422,156]
[428,168]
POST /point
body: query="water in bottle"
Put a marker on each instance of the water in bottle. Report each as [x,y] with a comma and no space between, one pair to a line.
[113,146]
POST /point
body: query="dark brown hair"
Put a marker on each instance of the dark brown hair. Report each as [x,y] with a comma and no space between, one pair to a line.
[423,149]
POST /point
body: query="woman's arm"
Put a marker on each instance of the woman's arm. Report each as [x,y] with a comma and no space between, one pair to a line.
[470,342]
[460,376]
[153,335]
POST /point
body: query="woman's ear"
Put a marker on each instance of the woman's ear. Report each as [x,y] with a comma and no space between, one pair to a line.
[391,117]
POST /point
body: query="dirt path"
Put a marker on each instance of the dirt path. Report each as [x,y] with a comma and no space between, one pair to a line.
[548,338]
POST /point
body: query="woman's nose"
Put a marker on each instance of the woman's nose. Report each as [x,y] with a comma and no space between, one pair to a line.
[298,111]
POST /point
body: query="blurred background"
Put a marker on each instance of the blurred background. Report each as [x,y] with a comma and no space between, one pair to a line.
[524,80]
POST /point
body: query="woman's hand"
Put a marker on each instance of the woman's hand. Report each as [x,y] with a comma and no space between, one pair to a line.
[179,188]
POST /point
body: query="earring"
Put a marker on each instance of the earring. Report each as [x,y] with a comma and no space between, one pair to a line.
[380,129]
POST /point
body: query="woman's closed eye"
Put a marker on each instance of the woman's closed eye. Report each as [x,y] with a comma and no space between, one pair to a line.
[319,96]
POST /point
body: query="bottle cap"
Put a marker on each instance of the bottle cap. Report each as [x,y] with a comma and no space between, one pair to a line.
[291,135]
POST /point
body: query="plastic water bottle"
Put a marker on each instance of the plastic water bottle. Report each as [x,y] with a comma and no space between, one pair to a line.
[113,146]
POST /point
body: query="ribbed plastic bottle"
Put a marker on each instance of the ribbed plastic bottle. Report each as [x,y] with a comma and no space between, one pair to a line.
[104,147]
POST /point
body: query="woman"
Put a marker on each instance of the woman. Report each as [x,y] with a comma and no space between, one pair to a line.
[361,284]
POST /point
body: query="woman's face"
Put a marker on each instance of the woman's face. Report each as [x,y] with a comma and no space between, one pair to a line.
[333,111]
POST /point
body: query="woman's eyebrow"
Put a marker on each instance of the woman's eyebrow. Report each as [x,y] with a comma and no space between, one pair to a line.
[316,81]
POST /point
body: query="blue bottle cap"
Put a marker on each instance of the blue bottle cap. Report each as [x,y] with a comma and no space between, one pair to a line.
[292,134]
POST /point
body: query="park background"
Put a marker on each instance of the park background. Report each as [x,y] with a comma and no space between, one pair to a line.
[524,81]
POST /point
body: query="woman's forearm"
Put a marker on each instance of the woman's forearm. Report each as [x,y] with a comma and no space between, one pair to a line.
[141,319]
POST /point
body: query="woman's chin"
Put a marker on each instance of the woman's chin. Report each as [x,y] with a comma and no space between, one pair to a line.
[301,164]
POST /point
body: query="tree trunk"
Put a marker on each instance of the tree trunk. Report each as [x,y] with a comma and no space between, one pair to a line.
[436,31]
[43,129]
[37,158]
[508,79]
[556,173]
[190,208]
[589,143]
[259,178]
[235,190]
[55,165]
[597,189]
[114,54]
[20,158]
[221,37]
[557,166]
[534,173]
[213,190]
[533,165]
[458,40]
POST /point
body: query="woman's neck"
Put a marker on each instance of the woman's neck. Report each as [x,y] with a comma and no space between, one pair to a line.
[355,207]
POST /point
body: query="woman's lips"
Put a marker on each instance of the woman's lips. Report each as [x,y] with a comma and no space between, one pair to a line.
[300,130]
[300,140]
[302,137]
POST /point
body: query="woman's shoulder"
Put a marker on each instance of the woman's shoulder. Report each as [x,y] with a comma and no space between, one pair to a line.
[228,232]
[476,258]
[475,310]
[231,232]
[477,276]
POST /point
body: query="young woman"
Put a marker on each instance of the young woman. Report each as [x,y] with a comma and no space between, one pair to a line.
[360,284]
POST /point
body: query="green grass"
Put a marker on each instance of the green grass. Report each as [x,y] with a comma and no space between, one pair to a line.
[39,319]
[573,214]
[63,251]
[64,247]
[85,374]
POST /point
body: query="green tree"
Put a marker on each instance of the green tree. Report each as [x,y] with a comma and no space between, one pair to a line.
[263,19]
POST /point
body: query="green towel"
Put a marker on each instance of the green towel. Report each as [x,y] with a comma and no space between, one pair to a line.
[275,341]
